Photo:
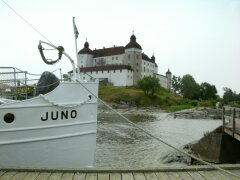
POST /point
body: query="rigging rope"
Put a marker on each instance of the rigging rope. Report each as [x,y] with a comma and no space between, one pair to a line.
[21,17]
[159,139]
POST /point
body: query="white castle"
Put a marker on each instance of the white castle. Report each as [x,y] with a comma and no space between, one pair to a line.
[119,65]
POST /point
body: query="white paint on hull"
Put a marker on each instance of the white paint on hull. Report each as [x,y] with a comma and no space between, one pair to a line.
[54,131]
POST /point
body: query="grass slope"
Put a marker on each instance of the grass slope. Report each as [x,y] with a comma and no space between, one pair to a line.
[135,97]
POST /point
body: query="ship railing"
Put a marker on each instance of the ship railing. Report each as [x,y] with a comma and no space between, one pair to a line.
[17,84]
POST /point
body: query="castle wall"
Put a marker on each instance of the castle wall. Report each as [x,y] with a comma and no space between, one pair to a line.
[163,81]
[108,60]
[85,60]
[147,68]
[120,77]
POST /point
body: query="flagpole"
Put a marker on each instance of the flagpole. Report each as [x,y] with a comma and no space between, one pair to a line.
[76,49]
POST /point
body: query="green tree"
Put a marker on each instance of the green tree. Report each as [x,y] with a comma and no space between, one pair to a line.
[149,85]
[176,83]
[190,88]
[228,95]
[208,91]
[237,98]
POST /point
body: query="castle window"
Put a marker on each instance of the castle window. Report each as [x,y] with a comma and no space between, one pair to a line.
[114,71]
[137,64]
[96,72]
[137,56]
[116,58]
[120,70]
[112,58]
[129,56]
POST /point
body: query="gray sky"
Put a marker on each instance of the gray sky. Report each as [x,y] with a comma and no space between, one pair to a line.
[197,37]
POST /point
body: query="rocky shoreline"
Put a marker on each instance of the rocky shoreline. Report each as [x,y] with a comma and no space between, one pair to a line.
[129,110]
[198,113]
[194,113]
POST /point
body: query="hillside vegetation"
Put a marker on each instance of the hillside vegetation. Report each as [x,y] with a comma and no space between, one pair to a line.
[135,97]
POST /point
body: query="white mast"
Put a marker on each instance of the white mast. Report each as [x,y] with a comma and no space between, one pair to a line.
[76,33]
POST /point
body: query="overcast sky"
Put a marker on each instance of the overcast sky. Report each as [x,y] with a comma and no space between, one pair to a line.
[197,37]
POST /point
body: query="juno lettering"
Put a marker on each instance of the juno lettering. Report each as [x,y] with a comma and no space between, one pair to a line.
[57,115]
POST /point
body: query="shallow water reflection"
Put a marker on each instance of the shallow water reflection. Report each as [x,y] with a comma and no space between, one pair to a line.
[119,145]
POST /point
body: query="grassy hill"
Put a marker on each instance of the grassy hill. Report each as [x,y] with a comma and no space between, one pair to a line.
[135,97]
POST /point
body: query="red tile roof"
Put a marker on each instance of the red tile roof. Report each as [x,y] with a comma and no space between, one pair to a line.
[108,51]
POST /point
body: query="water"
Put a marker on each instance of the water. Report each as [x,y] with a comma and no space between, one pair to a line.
[119,145]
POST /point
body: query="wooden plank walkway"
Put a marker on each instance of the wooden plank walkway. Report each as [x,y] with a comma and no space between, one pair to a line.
[231,121]
[186,173]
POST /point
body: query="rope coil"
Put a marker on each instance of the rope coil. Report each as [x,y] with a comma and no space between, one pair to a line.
[51,62]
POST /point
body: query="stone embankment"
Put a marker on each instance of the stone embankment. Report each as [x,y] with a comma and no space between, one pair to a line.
[198,113]
[216,147]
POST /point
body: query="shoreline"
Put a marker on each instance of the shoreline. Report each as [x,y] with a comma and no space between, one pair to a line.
[193,113]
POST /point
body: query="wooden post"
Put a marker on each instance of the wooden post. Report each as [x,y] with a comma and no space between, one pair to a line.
[223,118]
[234,123]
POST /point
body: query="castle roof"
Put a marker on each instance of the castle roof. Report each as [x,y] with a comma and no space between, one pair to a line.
[108,51]
[133,43]
[86,49]
[146,58]
[168,72]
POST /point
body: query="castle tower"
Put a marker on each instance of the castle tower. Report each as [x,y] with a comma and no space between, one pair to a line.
[169,79]
[85,56]
[156,66]
[133,57]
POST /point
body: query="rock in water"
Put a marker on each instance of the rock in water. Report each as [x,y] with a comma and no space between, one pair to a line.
[47,82]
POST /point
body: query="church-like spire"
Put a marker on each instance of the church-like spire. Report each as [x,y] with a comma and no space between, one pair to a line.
[86,44]
[168,72]
[153,58]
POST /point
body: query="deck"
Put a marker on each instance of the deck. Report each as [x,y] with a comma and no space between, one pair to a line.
[231,121]
[191,172]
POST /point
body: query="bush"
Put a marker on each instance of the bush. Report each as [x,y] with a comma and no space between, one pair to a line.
[207,103]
